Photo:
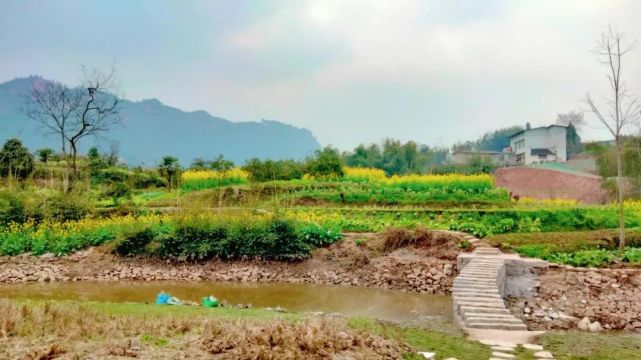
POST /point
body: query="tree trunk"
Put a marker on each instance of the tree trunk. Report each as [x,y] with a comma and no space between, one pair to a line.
[620,195]
[74,166]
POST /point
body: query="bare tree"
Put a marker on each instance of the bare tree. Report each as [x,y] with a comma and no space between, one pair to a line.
[75,113]
[574,118]
[53,105]
[621,109]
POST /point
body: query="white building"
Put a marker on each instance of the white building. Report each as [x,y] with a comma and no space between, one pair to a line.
[542,144]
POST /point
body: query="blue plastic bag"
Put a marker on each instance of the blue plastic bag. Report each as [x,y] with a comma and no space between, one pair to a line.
[162,298]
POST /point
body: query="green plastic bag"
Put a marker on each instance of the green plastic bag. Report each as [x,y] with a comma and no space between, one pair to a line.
[210,302]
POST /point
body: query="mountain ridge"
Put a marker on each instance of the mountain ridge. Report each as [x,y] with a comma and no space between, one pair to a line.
[151,129]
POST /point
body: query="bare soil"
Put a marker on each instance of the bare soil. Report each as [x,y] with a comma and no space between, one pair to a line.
[551,184]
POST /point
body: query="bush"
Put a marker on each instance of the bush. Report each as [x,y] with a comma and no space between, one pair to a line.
[319,235]
[198,239]
[135,243]
[477,229]
[70,207]
[12,209]
[584,258]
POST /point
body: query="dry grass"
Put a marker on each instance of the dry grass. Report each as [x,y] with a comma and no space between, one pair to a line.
[439,245]
[317,339]
[71,331]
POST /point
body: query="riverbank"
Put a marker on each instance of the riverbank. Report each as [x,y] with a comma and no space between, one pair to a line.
[357,260]
[89,330]
[48,330]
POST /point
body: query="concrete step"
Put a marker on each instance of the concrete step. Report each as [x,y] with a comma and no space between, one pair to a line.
[497,326]
[484,310]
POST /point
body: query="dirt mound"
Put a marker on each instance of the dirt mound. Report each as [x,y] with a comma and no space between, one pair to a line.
[551,184]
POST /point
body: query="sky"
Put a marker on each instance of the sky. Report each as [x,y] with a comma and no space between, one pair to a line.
[351,71]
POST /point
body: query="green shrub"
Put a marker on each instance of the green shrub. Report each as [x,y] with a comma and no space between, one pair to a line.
[67,207]
[526,224]
[12,209]
[199,240]
[319,235]
[135,243]
[632,255]
[477,229]
[584,258]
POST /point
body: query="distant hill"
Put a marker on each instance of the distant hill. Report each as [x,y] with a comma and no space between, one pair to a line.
[151,130]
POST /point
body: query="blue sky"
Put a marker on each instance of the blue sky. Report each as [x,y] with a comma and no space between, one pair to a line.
[351,71]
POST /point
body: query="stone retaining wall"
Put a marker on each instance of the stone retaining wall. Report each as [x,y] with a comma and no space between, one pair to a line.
[425,275]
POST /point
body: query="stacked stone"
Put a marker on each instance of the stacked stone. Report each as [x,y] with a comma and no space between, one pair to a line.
[478,294]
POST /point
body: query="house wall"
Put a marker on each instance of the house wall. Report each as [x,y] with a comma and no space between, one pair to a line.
[552,138]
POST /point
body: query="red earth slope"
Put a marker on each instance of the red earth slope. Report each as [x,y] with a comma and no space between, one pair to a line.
[551,184]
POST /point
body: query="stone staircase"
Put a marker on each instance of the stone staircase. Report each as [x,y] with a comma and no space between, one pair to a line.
[479,290]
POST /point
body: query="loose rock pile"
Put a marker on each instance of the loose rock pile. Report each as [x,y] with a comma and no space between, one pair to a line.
[611,298]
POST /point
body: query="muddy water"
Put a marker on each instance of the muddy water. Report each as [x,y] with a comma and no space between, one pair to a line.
[373,303]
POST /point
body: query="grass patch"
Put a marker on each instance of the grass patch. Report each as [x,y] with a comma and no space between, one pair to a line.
[585,346]
[444,344]
[580,248]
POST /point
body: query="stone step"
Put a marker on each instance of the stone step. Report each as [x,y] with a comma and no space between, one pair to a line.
[486,261]
[483,269]
[489,265]
[466,287]
[481,301]
[474,287]
[484,310]
[477,296]
[494,320]
[464,283]
[486,251]
[477,275]
[473,292]
[482,266]
[470,314]
[467,279]
[491,305]
[496,326]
